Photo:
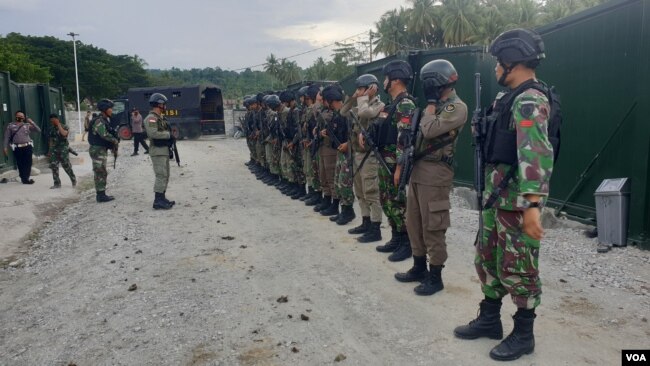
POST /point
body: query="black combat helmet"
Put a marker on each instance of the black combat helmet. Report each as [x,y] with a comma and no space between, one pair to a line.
[156,98]
[303,91]
[313,91]
[260,97]
[365,80]
[104,104]
[518,45]
[440,72]
[398,69]
[273,101]
[332,92]
[287,96]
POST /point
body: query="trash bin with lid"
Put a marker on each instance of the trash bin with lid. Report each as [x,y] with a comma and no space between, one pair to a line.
[612,210]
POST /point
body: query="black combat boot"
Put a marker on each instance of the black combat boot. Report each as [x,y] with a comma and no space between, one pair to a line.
[165,198]
[373,233]
[403,250]
[347,214]
[309,194]
[332,210]
[280,183]
[432,282]
[416,273]
[299,191]
[392,244]
[487,324]
[324,203]
[365,223]
[521,341]
[102,197]
[316,199]
[159,202]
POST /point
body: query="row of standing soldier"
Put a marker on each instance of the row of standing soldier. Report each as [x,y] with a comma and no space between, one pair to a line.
[333,146]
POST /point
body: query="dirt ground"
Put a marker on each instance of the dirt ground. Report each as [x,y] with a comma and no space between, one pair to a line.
[206,276]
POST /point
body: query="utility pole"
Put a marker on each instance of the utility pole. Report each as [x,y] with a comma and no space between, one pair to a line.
[76,75]
[370,34]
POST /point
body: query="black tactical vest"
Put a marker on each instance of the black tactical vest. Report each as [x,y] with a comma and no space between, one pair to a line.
[385,132]
[501,141]
[94,139]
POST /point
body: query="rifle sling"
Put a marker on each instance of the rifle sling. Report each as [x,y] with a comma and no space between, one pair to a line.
[502,185]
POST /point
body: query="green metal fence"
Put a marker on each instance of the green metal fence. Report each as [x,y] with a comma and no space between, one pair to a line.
[599,61]
[38,101]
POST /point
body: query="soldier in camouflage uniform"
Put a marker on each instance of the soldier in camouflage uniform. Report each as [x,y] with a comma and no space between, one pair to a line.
[162,139]
[507,252]
[389,131]
[366,106]
[101,138]
[259,120]
[312,105]
[246,126]
[338,125]
[430,183]
[59,151]
[289,185]
[327,162]
[292,133]
[273,138]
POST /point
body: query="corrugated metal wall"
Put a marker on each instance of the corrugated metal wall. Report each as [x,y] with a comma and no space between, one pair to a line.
[599,60]
[38,101]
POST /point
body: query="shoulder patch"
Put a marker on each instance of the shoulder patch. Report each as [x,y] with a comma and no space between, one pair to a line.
[527,109]
[450,108]
[151,120]
[526,123]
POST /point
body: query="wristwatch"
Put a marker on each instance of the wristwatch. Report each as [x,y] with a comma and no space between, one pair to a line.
[528,204]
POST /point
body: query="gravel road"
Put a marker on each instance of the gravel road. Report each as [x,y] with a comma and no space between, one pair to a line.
[206,282]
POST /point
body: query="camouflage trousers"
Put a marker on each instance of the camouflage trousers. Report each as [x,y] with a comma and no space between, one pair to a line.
[310,169]
[394,207]
[99,155]
[260,153]
[251,147]
[507,260]
[61,156]
[297,165]
[327,168]
[343,180]
[286,163]
[273,157]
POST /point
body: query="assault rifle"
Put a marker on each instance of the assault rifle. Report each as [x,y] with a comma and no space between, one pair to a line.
[73,152]
[478,133]
[373,148]
[407,168]
[173,151]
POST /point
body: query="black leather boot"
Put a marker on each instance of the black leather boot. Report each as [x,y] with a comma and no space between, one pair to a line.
[347,214]
[487,324]
[373,233]
[316,199]
[332,210]
[325,202]
[160,204]
[102,197]
[299,191]
[392,244]
[416,273]
[403,250]
[432,282]
[521,341]
[168,201]
[365,223]
[309,194]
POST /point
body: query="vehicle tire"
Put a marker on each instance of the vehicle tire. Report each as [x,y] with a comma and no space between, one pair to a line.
[124,132]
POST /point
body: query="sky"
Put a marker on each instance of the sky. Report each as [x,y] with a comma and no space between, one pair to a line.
[199,33]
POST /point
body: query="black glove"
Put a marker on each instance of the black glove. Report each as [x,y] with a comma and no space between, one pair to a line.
[431,90]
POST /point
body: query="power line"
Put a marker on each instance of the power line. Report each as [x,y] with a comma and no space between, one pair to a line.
[303,53]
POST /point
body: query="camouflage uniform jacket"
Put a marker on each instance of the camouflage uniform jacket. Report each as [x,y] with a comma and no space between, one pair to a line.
[101,129]
[366,110]
[402,120]
[530,113]
[56,141]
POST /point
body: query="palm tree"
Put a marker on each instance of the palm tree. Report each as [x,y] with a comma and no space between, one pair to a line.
[492,22]
[272,65]
[457,21]
[391,29]
[423,19]
[318,70]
